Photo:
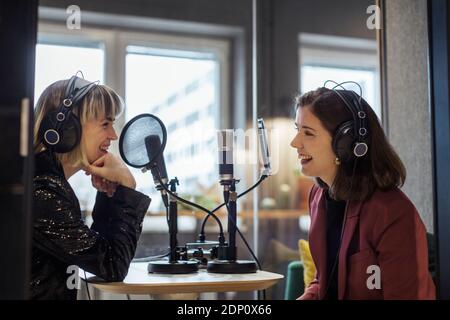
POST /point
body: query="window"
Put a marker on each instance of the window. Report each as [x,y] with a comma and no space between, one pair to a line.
[56,61]
[340,59]
[181,85]
[182,80]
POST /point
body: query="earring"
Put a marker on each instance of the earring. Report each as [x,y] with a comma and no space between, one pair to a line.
[337,161]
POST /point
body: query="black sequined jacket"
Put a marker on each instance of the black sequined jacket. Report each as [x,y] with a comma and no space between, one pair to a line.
[61,239]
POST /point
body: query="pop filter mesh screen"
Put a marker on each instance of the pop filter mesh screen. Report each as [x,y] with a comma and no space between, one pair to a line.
[132,140]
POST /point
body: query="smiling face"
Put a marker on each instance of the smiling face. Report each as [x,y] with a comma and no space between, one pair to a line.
[97,135]
[313,144]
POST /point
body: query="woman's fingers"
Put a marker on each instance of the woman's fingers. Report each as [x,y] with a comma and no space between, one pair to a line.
[113,169]
[96,182]
[104,185]
[104,170]
[98,171]
[111,188]
[100,161]
[110,192]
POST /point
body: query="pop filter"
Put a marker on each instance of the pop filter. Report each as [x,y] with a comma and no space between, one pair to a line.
[132,142]
[141,145]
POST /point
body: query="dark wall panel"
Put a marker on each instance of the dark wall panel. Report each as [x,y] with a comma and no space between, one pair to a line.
[18,22]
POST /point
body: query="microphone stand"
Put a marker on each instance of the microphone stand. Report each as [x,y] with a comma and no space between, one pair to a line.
[232,217]
[173,223]
[175,265]
[227,254]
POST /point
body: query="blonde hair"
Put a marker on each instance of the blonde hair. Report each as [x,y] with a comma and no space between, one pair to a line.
[102,100]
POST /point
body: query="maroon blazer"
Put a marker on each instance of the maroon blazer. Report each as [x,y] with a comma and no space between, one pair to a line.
[391,236]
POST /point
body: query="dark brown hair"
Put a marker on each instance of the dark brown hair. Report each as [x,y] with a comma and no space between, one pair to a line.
[380,168]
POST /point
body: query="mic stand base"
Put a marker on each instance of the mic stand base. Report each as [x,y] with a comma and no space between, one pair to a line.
[176,267]
[227,266]
[204,243]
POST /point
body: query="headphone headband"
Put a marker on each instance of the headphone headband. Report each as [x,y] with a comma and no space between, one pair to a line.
[78,88]
[353,102]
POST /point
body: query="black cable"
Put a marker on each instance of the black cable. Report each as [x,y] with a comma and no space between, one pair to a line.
[151,258]
[86,283]
[146,259]
[249,249]
[246,243]
[167,215]
[237,229]
[158,177]
[202,230]
[157,257]
[253,187]
[210,213]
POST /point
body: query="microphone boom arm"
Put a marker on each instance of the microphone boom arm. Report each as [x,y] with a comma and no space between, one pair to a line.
[221,237]
[202,230]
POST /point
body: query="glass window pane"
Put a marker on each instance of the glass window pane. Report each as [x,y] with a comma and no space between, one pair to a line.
[56,62]
[181,89]
[314,76]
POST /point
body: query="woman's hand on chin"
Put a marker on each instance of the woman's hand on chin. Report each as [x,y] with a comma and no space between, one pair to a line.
[103,185]
[113,170]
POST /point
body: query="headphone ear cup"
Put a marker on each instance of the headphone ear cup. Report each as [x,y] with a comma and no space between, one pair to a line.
[70,135]
[64,139]
[48,124]
[343,141]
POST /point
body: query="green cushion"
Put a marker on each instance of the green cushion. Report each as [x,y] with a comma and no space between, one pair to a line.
[295,284]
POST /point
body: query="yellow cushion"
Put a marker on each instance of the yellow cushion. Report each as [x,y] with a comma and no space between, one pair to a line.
[309,269]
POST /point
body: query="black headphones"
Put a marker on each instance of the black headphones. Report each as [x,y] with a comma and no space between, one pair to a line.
[60,130]
[351,138]
[350,141]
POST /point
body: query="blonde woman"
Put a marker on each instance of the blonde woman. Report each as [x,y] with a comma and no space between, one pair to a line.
[73,130]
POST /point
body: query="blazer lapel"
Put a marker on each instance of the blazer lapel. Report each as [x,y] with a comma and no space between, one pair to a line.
[318,237]
[353,211]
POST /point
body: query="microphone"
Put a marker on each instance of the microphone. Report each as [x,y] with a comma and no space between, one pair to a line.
[227,252]
[158,167]
[225,148]
[262,135]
